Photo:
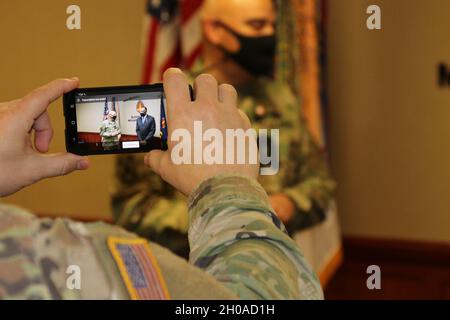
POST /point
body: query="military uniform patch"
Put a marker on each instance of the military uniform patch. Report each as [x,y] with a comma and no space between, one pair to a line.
[138,268]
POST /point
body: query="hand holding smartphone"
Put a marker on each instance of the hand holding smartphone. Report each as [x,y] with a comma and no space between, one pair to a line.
[112,120]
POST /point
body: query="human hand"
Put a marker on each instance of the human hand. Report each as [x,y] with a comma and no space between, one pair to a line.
[283,206]
[216,107]
[23,162]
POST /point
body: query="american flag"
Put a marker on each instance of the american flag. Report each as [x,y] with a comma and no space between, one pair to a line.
[114,107]
[138,268]
[105,110]
[164,132]
[172,36]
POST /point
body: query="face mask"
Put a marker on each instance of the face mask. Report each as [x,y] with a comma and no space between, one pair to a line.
[114,118]
[143,114]
[256,54]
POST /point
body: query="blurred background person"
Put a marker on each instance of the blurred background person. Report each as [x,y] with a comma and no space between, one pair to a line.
[239,47]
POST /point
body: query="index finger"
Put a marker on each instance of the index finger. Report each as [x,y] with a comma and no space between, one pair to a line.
[176,89]
[37,101]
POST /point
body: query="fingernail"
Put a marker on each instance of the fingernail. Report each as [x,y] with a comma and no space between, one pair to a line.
[74,78]
[172,70]
[83,164]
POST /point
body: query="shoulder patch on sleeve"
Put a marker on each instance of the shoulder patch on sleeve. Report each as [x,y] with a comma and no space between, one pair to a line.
[138,268]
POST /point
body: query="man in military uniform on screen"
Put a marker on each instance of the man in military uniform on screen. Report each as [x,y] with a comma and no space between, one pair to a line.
[110,132]
[145,124]
[239,48]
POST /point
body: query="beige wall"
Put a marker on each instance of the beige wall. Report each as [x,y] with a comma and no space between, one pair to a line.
[390,143]
[390,122]
[36,47]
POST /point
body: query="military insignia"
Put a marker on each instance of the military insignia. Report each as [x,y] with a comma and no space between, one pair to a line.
[138,268]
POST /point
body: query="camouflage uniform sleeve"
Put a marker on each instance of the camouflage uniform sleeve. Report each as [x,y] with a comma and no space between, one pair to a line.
[235,237]
[102,129]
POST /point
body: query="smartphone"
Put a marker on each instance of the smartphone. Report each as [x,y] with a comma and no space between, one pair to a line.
[112,120]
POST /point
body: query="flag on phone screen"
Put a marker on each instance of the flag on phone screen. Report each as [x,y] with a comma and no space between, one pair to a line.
[163,124]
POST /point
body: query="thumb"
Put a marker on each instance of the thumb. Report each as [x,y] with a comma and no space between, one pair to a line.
[59,164]
[155,160]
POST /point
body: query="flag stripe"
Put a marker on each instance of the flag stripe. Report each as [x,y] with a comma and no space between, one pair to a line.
[193,56]
[138,268]
[145,293]
[151,50]
[188,8]
[150,291]
[176,42]
[172,61]
[155,290]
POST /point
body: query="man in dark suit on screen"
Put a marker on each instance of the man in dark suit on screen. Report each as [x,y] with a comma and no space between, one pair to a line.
[145,124]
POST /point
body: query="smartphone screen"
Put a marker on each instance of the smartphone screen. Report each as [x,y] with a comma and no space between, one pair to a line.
[116,119]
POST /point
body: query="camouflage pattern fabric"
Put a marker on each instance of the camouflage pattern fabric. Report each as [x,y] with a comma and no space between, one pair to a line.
[304,174]
[110,131]
[237,238]
[35,254]
[239,250]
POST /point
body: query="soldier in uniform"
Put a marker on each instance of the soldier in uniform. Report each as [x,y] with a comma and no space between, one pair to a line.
[239,247]
[239,48]
[110,131]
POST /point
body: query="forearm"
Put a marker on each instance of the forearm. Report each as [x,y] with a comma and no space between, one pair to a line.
[235,237]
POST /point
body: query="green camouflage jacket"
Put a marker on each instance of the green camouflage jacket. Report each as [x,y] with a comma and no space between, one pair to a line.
[303,174]
[239,249]
[110,133]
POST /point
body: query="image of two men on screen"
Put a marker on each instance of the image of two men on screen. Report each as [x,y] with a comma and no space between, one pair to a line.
[120,124]
[110,129]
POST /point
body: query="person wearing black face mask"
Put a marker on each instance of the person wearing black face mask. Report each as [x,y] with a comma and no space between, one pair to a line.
[240,40]
[145,124]
[239,46]
[255,54]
